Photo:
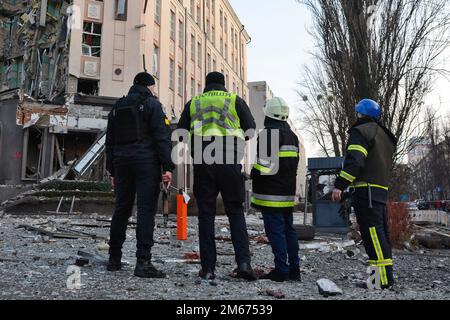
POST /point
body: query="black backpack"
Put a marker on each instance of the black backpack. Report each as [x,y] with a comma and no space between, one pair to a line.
[130,125]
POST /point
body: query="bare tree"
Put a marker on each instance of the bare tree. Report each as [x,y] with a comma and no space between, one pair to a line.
[387,50]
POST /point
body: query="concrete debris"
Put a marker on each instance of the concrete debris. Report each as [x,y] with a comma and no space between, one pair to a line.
[192,255]
[433,238]
[18,255]
[273,293]
[328,288]
[262,240]
[103,247]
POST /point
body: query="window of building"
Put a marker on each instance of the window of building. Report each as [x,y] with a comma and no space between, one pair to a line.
[208,63]
[121,10]
[92,39]
[172,75]
[192,47]
[221,18]
[192,87]
[208,33]
[213,6]
[226,52]
[199,16]
[232,61]
[199,88]
[181,34]
[156,57]
[180,81]
[88,87]
[173,27]
[214,65]
[193,9]
[232,36]
[213,33]
[221,46]
[158,11]
[225,24]
[199,53]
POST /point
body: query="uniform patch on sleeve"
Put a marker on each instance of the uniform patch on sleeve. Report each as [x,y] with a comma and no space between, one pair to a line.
[166,121]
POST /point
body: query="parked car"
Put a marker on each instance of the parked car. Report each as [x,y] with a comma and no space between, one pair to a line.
[423,205]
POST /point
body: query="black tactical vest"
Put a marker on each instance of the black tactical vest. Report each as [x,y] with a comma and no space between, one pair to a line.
[130,124]
[379,162]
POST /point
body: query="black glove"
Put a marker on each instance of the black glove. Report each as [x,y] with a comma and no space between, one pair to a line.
[346,207]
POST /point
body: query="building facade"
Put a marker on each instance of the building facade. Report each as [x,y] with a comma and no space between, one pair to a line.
[260,92]
[178,41]
[420,147]
[64,63]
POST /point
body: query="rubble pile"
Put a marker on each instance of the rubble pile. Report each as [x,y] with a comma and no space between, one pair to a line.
[34,45]
[40,255]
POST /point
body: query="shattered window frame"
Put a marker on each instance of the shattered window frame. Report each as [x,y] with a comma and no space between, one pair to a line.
[89,31]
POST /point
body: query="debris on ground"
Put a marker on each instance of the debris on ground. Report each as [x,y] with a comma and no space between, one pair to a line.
[328,288]
[273,293]
[262,240]
[194,255]
[32,262]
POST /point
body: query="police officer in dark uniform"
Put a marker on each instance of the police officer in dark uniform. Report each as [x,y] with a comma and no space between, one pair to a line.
[274,189]
[367,171]
[218,115]
[138,149]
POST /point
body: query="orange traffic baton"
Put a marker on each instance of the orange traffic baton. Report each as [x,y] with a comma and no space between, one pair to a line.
[182,218]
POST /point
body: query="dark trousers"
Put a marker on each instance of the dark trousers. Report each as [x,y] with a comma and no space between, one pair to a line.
[227,180]
[283,239]
[375,234]
[142,180]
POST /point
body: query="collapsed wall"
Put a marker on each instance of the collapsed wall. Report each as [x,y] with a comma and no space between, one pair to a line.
[34,47]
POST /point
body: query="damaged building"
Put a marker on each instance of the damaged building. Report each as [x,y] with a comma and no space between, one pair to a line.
[63,64]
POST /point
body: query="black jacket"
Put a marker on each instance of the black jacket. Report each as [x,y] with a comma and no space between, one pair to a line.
[243,111]
[155,149]
[283,183]
[369,159]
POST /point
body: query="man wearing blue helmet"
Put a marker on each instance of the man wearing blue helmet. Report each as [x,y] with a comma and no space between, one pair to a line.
[367,172]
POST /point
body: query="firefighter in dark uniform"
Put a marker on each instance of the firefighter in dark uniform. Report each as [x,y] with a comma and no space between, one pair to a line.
[274,189]
[213,117]
[367,171]
[138,149]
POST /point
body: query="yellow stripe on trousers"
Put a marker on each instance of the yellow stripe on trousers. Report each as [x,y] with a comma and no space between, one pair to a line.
[380,256]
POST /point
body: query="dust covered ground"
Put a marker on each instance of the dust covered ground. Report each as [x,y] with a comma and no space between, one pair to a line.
[33,266]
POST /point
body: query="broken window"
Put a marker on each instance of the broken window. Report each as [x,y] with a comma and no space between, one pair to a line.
[33,153]
[92,39]
[121,9]
[88,87]
[13,74]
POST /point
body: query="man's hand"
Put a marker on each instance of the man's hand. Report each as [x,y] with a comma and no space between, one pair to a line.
[337,195]
[167,179]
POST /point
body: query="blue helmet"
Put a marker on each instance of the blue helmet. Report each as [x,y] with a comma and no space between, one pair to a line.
[369,108]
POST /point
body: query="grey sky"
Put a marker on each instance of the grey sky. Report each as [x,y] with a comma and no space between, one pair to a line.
[281,44]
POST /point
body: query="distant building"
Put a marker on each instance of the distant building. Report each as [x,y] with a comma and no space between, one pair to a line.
[420,147]
[260,92]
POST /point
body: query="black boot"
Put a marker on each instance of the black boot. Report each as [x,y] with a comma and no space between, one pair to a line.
[294,275]
[114,264]
[145,269]
[245,271]
[275,276]
[207,274]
